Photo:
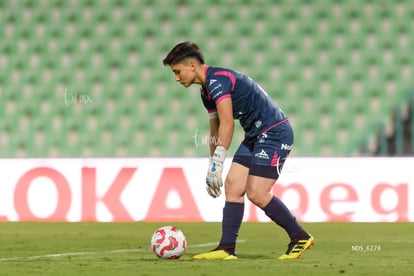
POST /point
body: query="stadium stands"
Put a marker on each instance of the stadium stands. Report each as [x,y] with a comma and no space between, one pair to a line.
[85,78]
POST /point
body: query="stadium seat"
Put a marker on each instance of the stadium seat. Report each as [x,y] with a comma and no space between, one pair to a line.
[321,61]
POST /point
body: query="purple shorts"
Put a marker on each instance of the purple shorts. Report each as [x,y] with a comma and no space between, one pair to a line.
[265,155]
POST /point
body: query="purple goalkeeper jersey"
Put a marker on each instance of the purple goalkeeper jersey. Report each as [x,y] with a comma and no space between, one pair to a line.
[255,110]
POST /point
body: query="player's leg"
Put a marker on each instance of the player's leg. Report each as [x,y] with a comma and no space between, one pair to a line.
[259,192]
[235,189]
[269,155]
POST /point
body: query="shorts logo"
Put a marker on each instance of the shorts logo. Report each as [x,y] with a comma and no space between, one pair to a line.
[286,147]
[262,155]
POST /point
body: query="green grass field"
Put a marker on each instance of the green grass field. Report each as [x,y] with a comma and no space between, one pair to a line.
[123,249]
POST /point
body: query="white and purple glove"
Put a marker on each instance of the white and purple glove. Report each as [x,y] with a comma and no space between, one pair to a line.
[215,169]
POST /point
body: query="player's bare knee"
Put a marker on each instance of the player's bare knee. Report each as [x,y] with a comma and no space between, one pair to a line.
[233,188]
[257,198]
[253,196]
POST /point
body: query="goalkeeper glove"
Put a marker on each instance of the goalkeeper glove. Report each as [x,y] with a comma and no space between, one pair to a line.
[215,169]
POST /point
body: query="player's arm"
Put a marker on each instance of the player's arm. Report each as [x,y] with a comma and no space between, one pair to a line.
[214,126]
[222,128]
[226,123]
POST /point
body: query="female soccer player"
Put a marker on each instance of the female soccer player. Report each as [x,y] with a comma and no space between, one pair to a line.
[257,163]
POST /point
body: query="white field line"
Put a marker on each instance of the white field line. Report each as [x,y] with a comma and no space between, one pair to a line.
[57,255]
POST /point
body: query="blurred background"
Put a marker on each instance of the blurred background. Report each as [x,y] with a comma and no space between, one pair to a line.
[85,78]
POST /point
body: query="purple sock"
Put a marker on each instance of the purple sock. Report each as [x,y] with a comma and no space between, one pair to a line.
[232,219]
[277,211]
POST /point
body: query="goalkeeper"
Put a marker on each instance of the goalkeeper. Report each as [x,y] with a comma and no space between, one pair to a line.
[257,163]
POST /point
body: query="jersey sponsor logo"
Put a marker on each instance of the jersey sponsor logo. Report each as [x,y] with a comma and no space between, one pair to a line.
[238,115]
[217,95]
[262,138]
[212,81]
[262,155]
[258,123]
[286,147]
[215,88]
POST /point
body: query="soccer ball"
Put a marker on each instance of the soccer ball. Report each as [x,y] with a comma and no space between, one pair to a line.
[168,242]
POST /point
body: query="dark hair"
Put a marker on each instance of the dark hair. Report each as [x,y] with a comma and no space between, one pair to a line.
[182,51]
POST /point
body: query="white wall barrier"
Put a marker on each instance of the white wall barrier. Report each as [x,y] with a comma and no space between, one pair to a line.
[150,189]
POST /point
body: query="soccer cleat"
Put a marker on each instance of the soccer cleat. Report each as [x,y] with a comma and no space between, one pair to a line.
[296,247]
[215,255]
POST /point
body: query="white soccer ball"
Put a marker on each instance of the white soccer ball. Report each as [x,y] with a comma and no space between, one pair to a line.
[168,242]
